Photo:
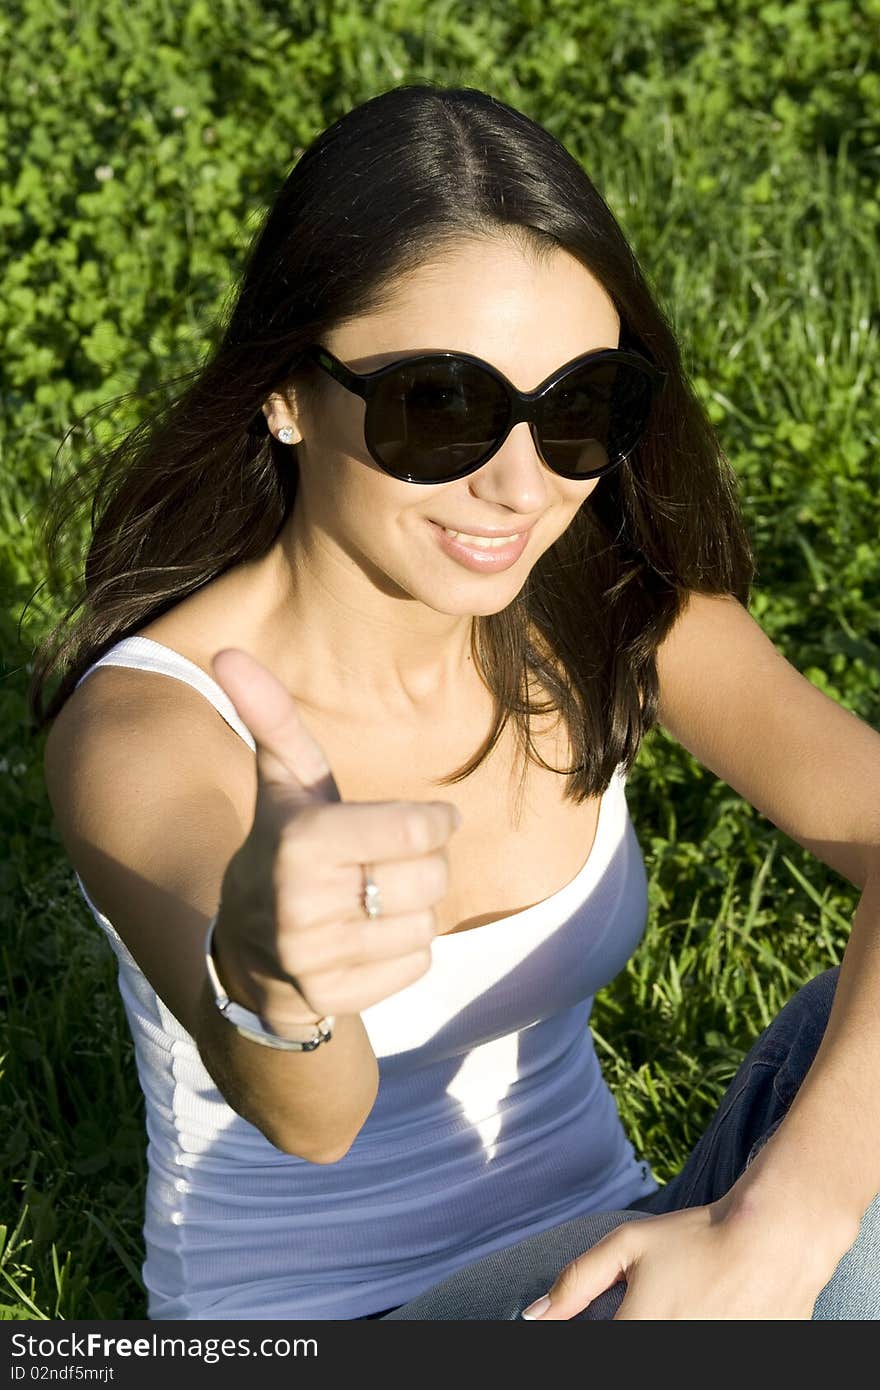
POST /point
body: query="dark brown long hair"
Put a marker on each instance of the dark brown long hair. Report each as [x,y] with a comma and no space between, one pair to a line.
[201,485]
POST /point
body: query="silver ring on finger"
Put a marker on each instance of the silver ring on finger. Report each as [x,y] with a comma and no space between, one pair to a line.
[371,898]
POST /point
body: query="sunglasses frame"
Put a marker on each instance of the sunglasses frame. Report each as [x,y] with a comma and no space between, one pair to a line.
[521,404]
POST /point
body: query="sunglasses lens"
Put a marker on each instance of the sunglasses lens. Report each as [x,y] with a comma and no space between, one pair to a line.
[594,418]
[429,422]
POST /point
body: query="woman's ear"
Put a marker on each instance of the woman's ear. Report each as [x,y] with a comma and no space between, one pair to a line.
[280,413]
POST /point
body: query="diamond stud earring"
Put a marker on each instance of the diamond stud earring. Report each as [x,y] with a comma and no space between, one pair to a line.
[285,434]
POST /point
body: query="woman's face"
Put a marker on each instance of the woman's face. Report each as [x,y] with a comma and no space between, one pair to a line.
[525,317]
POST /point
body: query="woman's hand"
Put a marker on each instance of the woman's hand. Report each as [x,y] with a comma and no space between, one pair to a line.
[725,1260]
[291,935]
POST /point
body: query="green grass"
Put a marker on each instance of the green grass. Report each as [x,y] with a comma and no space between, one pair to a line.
[738,144]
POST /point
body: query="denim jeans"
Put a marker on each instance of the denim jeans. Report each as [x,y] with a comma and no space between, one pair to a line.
[498,1286]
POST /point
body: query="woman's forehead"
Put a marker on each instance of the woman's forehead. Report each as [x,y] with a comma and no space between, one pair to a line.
[524,315]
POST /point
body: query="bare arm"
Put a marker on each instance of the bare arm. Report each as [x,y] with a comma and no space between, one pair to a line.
[151,835]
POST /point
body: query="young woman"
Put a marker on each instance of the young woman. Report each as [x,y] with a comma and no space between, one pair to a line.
[439,531]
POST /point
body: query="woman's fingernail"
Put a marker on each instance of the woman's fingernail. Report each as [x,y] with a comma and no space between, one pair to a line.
[535,1309]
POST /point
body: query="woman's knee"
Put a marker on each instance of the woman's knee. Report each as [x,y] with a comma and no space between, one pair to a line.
[799,1028]
[814,999]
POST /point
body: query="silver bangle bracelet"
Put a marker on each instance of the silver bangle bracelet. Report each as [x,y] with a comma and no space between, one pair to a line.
[249,1024]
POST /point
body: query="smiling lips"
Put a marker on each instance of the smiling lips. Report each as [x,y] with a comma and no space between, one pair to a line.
[485,554]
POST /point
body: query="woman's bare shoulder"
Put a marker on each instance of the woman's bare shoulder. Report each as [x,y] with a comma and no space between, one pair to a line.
[123,726]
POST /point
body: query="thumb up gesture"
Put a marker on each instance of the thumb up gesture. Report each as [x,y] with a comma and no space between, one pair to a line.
[293,941]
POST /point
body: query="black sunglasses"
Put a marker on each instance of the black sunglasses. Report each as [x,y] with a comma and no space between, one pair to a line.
[441,415]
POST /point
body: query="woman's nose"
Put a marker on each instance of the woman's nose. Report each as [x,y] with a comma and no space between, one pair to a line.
[515,476]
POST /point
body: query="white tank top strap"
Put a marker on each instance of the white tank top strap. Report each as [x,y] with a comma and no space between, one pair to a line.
[144,654]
